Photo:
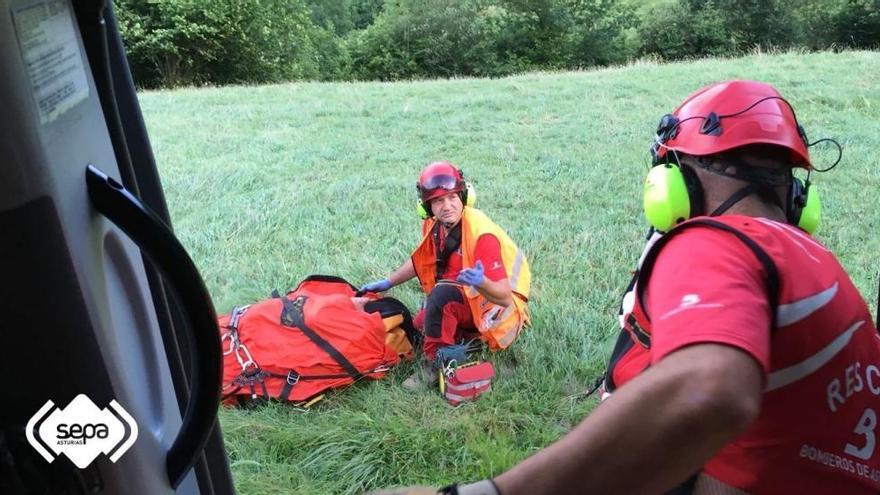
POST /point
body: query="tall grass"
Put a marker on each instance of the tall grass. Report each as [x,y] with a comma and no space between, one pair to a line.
[269,184]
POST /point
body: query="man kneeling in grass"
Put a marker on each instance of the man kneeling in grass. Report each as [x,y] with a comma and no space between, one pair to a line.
[475,278]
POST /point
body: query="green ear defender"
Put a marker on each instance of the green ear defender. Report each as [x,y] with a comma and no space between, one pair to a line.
[420,209]
[672,194]
[804,206]
[470,195]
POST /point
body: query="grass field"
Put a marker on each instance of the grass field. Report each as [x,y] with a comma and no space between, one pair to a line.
[269,184]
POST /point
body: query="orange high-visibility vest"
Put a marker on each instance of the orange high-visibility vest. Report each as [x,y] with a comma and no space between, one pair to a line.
[498,325]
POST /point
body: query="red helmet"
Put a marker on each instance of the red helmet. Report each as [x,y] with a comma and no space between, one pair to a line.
[729,115]
[440,178]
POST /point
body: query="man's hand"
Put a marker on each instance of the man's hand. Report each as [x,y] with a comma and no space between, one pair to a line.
[472,276]
[377,286]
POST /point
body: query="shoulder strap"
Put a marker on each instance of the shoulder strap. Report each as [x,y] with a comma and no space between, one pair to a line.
[621,347]
[453,241]
[292,316]
[771,283]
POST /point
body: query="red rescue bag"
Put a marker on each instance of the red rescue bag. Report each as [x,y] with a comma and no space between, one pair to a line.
[466,382]
[318,336]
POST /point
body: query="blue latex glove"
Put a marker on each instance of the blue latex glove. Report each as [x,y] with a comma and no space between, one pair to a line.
[472,276]
[377,286]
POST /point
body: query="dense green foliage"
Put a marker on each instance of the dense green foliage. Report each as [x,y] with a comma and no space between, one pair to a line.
[179,42]
[268,184]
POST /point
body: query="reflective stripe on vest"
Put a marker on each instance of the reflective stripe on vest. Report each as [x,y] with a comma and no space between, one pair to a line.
[516,269]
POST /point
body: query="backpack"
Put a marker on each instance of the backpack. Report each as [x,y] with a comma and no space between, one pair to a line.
[630,356]
[322,335]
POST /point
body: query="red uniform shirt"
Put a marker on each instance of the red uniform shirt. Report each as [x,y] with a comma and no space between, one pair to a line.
[487,250]
[818,426]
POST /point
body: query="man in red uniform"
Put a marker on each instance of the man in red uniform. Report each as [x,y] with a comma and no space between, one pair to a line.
[765,365]
[488,296]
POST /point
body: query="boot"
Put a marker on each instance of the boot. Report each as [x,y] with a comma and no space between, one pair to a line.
[424,376]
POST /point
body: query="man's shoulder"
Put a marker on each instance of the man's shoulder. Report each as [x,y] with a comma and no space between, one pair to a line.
[478,222]
[704,245]
[476,214]
[488,240]
[735,231]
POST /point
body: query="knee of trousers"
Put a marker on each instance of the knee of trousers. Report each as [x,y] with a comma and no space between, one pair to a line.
[439,297]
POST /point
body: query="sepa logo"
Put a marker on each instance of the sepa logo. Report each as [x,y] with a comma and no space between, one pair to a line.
[81,431]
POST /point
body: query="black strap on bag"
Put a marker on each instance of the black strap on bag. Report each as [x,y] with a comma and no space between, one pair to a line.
[292,316]
[451,244]
[291,379]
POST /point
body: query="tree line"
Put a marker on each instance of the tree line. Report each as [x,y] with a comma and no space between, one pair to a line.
[185,42]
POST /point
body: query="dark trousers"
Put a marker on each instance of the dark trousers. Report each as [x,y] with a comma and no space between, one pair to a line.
[445,318]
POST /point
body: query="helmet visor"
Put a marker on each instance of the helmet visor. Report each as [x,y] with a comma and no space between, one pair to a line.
[446,182]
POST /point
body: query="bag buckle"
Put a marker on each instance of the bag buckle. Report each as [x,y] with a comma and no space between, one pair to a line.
[292,378]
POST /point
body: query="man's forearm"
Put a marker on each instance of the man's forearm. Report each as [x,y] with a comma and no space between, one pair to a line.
[652,433]
[497,292]
[405,272]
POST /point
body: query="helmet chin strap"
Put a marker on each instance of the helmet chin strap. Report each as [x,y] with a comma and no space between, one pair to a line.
[760,181]
[734,199]
[762,190]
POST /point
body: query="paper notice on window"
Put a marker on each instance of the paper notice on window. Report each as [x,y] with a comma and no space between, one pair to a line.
[52,57]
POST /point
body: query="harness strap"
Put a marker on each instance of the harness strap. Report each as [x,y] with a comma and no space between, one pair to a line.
[638,332]
[292,316]
[450,245]
[291,379]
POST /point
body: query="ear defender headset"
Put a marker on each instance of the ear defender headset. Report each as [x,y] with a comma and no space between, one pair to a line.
[444,177]
[673,192]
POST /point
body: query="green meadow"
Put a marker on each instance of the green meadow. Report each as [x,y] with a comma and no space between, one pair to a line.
[268,184]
